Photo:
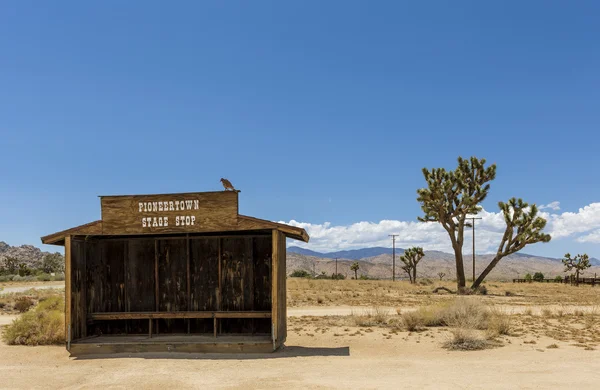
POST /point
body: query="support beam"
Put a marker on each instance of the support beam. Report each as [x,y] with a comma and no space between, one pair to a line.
[156,280]
[274,285]
[68,289]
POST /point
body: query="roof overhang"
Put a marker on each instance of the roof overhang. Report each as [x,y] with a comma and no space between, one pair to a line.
[245,223]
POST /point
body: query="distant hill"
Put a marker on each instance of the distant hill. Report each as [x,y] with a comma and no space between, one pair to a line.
[353,254]
[377,263]
[28,254]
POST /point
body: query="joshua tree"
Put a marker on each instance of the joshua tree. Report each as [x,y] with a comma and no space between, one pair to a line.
[579,263]
[452,195]
[355,267]
[523,227]
[411,258]
[441,275]
[408,269]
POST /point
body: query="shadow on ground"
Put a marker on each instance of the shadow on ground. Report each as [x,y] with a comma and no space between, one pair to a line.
[285,352]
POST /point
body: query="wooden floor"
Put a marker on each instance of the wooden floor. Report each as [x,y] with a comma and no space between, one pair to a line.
[108,344]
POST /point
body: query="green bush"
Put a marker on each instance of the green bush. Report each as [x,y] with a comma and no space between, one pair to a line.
[558,279]
[44,277]
[43,326]
[528,277]
[337,277]
[538,277]
[300,273]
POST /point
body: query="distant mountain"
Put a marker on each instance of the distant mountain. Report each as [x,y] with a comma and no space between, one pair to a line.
[377,263]
[353,254]
[28,254]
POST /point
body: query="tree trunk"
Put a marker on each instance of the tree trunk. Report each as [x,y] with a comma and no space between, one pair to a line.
[486,271]
[355,274]
[415,274]
[460,270]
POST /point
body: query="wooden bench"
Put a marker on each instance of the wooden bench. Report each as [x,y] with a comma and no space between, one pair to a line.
[152,315]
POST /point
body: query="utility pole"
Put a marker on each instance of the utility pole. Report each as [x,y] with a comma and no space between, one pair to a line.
[393,255]
[473,225]
[336,272]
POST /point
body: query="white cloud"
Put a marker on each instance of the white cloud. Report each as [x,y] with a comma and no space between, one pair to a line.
[568,224]
[552,206]
[431,236]
[593,237]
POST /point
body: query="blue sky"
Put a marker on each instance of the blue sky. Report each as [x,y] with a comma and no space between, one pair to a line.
[320,112]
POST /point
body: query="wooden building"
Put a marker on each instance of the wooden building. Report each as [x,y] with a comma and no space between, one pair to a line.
[175,272]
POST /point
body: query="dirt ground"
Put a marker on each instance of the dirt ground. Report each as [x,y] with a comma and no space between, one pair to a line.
[316,360]
[554,342]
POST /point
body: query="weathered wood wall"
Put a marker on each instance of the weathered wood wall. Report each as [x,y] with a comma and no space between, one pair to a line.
[278,288]
[212,211]
[195,273]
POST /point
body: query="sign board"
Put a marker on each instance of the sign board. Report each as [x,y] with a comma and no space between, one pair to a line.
[169,213]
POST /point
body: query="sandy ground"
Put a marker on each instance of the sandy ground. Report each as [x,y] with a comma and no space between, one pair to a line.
[318,358]
[321,361]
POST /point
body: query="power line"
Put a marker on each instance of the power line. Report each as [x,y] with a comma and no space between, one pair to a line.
[393,255]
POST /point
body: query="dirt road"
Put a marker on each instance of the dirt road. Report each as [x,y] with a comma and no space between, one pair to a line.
[23,288]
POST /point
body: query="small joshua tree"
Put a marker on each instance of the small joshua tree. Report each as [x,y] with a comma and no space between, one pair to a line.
[441,275]
[578,263]
[355,267]
[411,258]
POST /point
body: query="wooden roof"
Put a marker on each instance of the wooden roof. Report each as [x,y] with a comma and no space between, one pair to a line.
[245,223]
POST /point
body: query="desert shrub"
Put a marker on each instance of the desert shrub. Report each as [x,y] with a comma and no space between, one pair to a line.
[558,278]
[44,277]
[42,326]
[371,317]
[528,277]
[498,324]
[59,277]
[538,277]
[5,278]
[2,304]
[412,321]
[466,313]
[300,273]
[18,278]
[320,299]
[509,293]
[481,290]
[552,346]
[465,339]
[23,304]
[337,276]
[51,303]
[425,282]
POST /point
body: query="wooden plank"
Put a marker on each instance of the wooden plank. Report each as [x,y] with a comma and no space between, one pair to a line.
[67,288]
[140,281]
[156,214]
[282,287]
[82,349]
[172,281]
[204,263]
[176,315]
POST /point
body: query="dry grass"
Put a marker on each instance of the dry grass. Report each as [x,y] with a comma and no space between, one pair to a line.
[42,326]
[14,303]
[303,292]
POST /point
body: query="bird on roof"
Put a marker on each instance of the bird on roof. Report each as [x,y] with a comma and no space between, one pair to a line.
[228,186]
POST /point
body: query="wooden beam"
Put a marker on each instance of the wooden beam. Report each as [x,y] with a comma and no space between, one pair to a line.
[189,284]
[68,289]
[216,323]
[274,282]
[156,280]
[176,314]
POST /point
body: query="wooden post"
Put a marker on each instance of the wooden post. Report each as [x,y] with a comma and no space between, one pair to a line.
[274,286]
[156,280]
[68,289]
[150,327]
[189,291]
[216,322]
